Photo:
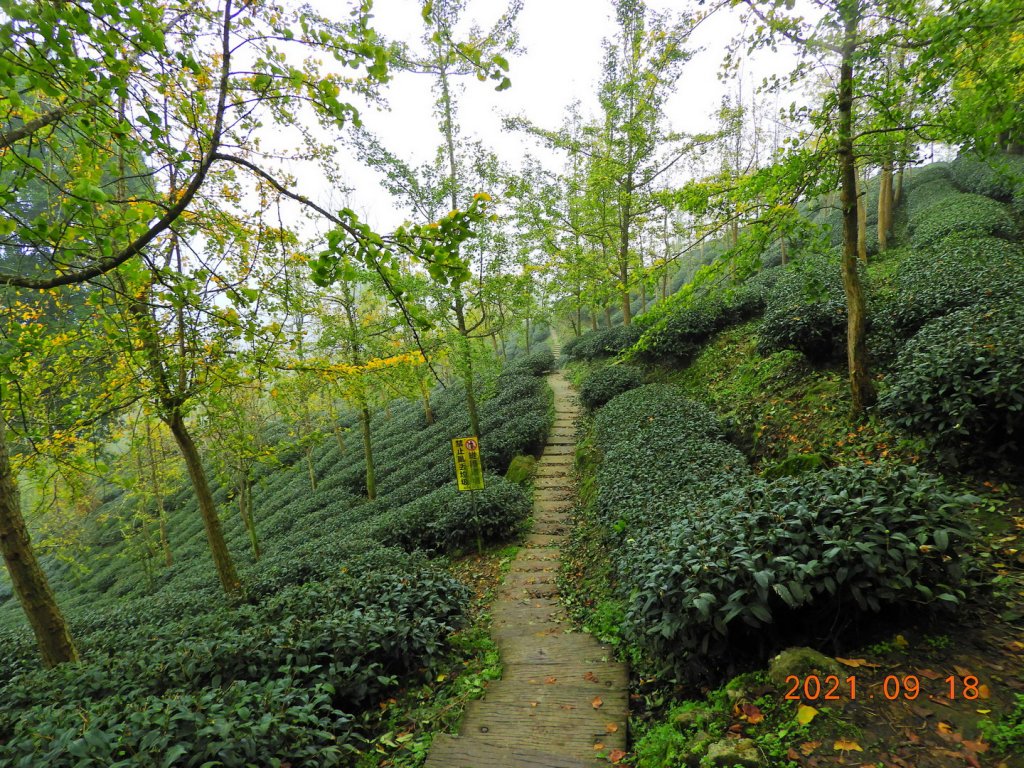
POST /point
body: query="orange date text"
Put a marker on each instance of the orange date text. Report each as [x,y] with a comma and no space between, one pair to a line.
[908,687]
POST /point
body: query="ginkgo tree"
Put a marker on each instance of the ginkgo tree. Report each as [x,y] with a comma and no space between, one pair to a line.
[118,123]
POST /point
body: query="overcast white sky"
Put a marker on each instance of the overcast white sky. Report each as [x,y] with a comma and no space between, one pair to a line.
[561,63]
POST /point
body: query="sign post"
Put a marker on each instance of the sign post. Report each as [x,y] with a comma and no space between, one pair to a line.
[469,472]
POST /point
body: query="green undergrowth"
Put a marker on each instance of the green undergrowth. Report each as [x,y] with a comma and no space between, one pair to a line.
[351,607]
[410,721]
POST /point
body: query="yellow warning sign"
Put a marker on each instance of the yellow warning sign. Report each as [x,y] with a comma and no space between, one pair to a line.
[468,469]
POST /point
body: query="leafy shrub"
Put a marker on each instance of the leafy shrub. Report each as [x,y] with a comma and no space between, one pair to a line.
[927,195]
[569,345]
[678,329]
[962,214]
[541,332]
[656,426]
[959,272]
[806,310]
[960,380]
[605,383]
[606,342]
[733,568]
[282,677]
[448,520]
[917,177]
[997,177]
[537,363]
[248,723]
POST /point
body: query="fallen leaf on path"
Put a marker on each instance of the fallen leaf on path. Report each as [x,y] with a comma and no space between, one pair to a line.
[752,713]
[846,745]
[809,746]
[975,746]
[616,755]
[550,680]
[928,674]
[984,692]
[590,677]
[598,745]
[962,671]
[596,703]
[612,727]
[804,714]
[856,662]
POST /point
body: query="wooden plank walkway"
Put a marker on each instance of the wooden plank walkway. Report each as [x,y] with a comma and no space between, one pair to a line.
[562,701]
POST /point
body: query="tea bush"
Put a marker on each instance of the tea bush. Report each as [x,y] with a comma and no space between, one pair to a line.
[605,383]
[962,214]
[656,426]
[960,380]
[961,271]
[606,342]
[332,621]
[451,521]
[537,363]
[734,569]
[189,679]
[806,310]
[998,177]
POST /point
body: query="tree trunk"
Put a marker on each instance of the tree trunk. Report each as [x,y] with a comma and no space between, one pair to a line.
[861,387]
[608,316]
[214,532]
[664,283]
[245,509]
[862,218]
[428,412]
[310,469]
[885,200]
[371,476]
[165,542]
[897,194]
[474,419]
[624,254]
[527,335]
[27,578]
[782,248]
[593,318]
[643,297]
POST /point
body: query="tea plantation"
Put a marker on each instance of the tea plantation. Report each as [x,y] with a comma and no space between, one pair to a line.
[731,509]
[351,602]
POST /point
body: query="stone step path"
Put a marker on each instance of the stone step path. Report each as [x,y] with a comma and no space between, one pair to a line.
[562,700]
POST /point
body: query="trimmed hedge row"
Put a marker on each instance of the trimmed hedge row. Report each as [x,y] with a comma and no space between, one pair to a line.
[733,571]
[605,383]
[195,680]
[960,380]
[961,271]
[606,342]
[806,310]
[962,214]
[717,566]
[677,331]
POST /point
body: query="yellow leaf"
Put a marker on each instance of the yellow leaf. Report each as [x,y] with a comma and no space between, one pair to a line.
[596,703]
[441,678]
[805,714]
[901,642]
[846,745]
[599,745]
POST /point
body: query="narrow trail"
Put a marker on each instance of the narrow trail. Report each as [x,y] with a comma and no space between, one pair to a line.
[562,701]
